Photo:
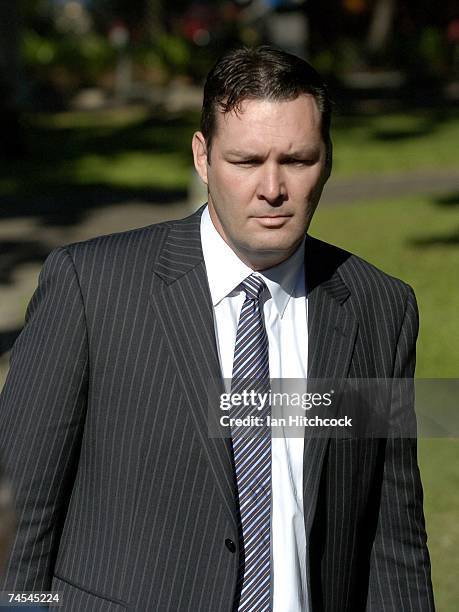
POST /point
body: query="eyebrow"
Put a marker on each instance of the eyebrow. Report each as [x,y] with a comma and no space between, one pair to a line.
[312,152]
[300,154]
[244,154]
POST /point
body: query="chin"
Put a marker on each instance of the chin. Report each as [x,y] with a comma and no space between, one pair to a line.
[277,243]
[270,251]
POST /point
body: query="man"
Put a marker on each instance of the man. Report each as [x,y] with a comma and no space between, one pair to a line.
[124,500]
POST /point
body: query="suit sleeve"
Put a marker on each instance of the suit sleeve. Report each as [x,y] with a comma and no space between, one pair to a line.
[42,410]
[400,564]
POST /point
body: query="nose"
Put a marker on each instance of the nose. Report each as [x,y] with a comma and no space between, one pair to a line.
[271,186]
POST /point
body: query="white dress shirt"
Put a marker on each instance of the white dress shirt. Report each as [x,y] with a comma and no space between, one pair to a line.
[285,314]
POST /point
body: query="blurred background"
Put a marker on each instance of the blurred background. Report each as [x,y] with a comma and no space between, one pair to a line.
[98,103]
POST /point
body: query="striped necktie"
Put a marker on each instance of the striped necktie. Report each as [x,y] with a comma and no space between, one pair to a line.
[252,454]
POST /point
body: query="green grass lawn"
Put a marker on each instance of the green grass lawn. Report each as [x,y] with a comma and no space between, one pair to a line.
[417,240]
[130,149]
[396,142]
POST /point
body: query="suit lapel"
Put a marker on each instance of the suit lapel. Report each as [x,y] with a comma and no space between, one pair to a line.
[182,302]
[332,331]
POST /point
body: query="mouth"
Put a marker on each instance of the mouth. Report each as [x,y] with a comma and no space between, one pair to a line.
[272,221]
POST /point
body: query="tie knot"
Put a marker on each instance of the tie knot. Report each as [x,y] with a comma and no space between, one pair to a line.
[253,286]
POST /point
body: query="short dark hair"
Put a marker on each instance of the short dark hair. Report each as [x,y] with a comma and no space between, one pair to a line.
[261,73]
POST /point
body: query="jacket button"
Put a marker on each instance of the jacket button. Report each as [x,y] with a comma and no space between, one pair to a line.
[230,545]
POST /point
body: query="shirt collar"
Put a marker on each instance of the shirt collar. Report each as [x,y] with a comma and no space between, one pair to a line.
[225,271]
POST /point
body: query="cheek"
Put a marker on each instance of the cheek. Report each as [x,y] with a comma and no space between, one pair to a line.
[234,189]
[302,190]
[221,183]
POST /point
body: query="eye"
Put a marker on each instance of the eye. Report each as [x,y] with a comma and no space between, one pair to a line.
[246,163]
[299,162]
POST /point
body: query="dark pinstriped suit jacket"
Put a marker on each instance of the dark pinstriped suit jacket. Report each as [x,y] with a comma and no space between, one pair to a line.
[125,502]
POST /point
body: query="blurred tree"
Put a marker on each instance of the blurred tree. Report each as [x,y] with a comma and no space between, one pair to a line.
[380,28]
[9,36]
[153,12]
[11,142]
[181,38]
[142,17]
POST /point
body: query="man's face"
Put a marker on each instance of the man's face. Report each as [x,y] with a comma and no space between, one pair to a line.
[265,175]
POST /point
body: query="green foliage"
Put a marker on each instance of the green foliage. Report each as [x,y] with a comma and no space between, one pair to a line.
[174,53]
[342,56]
[93,52]
[176,56]
[38,51]
[432,48]
[85,57]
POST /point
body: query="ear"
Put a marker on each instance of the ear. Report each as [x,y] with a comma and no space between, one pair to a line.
[199,147]
[329,160]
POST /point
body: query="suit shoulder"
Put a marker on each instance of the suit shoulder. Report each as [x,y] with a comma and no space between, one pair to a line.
[122,256]
[117,257]
[118,243]
[360,276]
[150,237]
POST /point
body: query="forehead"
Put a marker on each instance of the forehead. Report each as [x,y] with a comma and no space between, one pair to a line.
[267,121]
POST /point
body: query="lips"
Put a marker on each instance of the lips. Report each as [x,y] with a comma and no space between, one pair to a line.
[273,220]
[276,216]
